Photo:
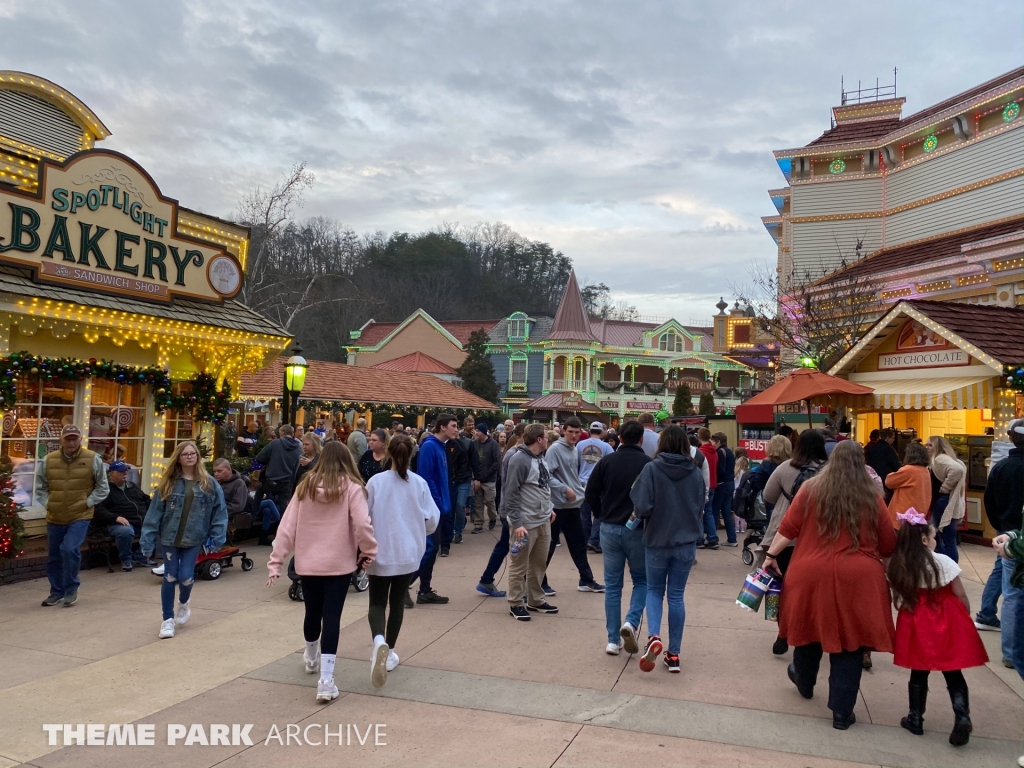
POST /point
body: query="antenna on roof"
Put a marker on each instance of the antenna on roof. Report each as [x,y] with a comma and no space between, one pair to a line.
[868,94]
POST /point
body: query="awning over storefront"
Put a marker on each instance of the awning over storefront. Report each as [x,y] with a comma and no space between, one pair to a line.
[942,394]
[563,403]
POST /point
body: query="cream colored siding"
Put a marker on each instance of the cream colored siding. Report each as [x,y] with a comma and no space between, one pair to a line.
[978,206]
[818,243]
[960,168]
[831,198]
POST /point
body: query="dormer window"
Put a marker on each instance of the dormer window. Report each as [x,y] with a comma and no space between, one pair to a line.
[518,328]
[670,342]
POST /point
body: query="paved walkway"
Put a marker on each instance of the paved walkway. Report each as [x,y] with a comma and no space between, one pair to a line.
[474,687]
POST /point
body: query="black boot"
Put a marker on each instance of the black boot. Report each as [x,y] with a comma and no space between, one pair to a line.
[961,718]
[914,722]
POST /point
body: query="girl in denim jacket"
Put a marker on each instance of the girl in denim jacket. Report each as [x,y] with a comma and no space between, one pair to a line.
[187,509]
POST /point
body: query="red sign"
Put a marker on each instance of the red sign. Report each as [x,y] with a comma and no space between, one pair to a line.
[755,448]
[642,405]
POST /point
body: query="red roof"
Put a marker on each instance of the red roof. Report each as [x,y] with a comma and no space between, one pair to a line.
[995,82]
[571,321]
[374,333]
[924,251]
[857,131]
[416,362]
[350,383]
[619,333]
[553,402]
[997,331]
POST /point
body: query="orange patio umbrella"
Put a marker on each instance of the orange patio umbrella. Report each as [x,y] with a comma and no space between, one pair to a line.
[806,384]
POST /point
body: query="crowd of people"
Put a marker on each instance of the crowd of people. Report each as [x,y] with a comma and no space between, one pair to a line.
[851,531]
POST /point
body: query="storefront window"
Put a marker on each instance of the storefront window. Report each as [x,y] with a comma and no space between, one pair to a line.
[180,426]
[117,423]
[32,429]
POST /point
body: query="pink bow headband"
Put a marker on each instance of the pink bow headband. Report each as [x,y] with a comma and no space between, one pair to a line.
[913,517]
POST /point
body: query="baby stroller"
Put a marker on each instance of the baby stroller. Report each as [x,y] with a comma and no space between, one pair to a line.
[750,506]
[360,581]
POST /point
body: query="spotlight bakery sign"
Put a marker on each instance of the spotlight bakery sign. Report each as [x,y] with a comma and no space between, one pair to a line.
[100,223]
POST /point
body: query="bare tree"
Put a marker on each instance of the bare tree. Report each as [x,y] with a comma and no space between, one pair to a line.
[268,212]
[816,315]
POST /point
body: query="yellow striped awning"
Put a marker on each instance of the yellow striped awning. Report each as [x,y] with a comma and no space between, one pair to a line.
[945,394]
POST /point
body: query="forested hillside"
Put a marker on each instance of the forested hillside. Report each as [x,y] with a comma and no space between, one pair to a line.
[319,279]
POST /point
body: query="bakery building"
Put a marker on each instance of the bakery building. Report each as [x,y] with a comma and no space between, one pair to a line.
[117,305]
[942,368]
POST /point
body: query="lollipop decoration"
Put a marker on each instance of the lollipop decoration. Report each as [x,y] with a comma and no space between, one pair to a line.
[124,418]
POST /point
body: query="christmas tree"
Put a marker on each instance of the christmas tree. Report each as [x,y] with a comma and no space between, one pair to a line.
[706,405]
[683,403]
[12,529]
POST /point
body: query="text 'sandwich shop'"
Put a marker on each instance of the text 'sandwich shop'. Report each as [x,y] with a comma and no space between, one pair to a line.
[117,310]
[947,369]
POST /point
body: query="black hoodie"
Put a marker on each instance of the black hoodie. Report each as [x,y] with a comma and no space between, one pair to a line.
[610,482]
[669,497]
[281,458]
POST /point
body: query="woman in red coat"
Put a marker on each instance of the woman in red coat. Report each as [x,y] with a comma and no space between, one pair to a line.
[835,598]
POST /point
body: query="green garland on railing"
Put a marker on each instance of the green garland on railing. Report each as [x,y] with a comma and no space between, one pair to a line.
[74,369]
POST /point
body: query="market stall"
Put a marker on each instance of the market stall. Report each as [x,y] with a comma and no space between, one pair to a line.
[940,368]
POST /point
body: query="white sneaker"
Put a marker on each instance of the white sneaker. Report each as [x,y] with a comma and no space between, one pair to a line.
[326,690]
[158,571]
[378,663]
[628,635]
[166,629]
[612,649]
[312,666]
[181,613]
[392,661]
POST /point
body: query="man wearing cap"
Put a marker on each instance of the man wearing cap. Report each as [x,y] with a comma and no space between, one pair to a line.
[120,515]
[1004,499]
[591,451]
[488,468]
[69,484]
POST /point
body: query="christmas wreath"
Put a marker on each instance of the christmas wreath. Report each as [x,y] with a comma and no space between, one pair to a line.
[206,401]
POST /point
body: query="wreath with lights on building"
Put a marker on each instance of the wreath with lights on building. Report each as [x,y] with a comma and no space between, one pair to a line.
[205,401]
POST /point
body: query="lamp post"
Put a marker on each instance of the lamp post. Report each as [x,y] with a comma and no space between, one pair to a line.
[294,379]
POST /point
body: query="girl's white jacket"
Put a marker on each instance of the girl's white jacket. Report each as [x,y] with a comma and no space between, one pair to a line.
[403,514]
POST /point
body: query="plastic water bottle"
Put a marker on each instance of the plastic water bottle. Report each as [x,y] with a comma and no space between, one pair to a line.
[518,544]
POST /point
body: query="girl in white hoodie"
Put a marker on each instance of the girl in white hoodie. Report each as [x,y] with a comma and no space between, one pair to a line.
[403,514]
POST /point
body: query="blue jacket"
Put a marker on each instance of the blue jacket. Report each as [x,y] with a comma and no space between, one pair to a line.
[208,518]
[432,466]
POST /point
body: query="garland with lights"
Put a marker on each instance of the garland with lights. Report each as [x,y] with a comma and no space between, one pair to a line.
[12,529]
[73,369]
[206,401]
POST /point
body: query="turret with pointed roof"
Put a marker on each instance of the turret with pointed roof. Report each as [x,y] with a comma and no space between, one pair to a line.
[571,320]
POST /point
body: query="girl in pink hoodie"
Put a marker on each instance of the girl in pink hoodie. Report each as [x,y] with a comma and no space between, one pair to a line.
[327,525]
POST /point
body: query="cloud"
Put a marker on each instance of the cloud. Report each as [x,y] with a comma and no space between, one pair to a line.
[634,137]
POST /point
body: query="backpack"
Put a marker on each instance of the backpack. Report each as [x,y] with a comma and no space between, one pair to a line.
[746,504]
[805,474]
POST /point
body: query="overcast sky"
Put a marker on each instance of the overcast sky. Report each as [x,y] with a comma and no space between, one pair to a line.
[635,137]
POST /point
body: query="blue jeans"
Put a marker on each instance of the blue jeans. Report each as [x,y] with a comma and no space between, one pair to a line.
[721,504]
[993,589]
[65,555]
[180,568]
[124,537]
[1011,607]
[591,526]
[460,494]
[668,566]
[270,513]
[498,555]
[945,540]
[622,546]
[1018,636]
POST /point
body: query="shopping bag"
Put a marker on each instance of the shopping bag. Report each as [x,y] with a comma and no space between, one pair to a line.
[755,587]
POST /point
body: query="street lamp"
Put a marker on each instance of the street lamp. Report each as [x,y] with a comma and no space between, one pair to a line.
[294,379]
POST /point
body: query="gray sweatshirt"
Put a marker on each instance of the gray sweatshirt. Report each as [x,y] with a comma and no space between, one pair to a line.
[564,463]
[526,490]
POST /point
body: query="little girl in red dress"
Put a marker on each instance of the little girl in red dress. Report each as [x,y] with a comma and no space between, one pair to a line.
[934,630]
